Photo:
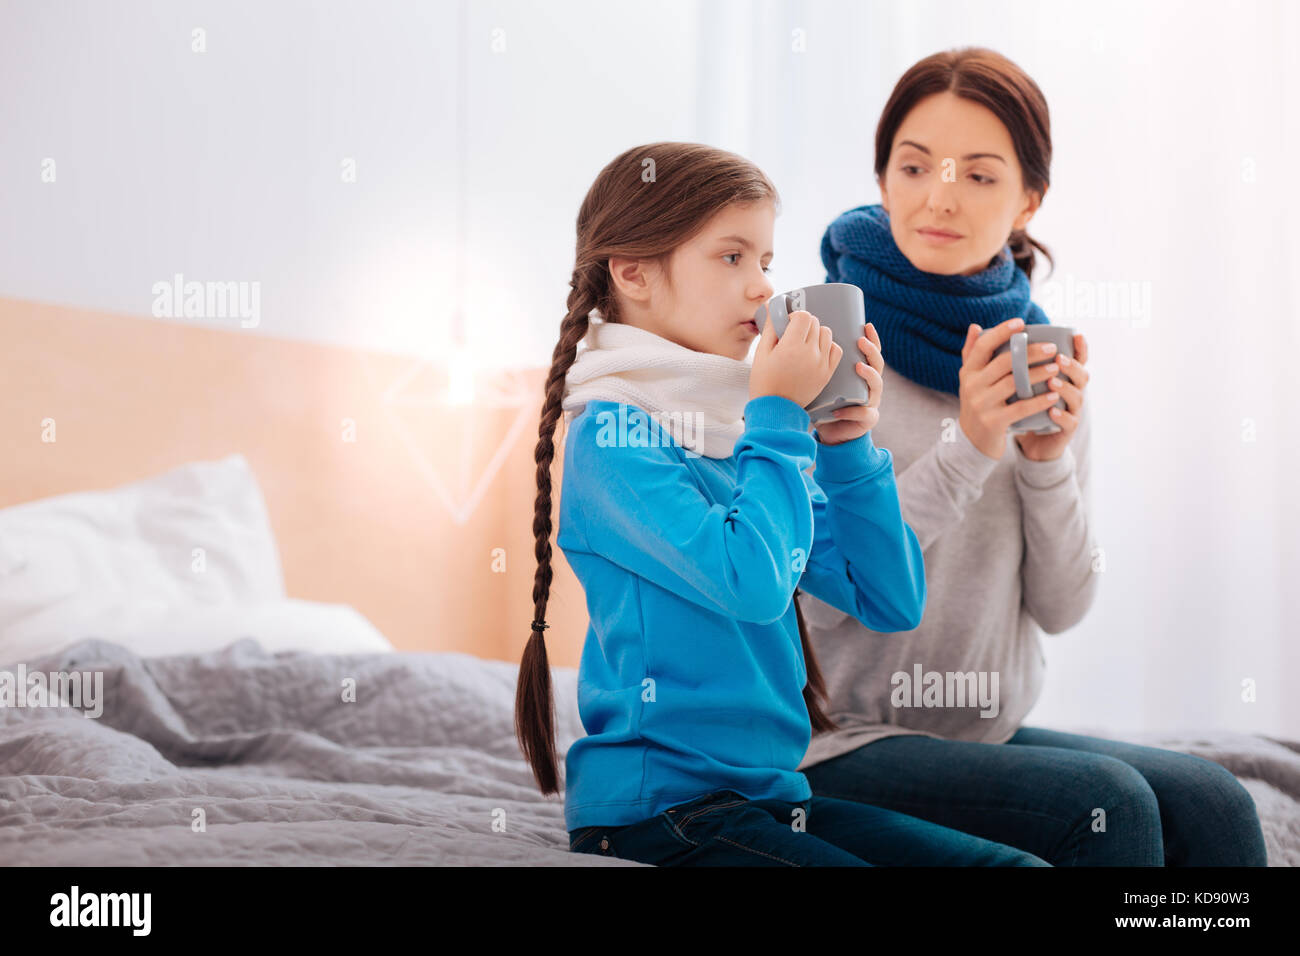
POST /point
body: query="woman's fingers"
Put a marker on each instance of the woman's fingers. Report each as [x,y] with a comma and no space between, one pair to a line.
[972,332]
[1002,390]
[1068,422]
[1074,371]
[1073,396]
[1000,366]
[1025,407]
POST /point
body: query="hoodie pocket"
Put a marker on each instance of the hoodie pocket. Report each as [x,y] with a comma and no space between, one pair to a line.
[740,738]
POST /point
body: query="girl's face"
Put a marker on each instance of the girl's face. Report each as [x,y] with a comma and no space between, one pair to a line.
[719,277]
[952,168]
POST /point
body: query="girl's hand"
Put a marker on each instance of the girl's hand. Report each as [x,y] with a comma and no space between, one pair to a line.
[854,421]
[987,383]
[1047,447]
[799,364]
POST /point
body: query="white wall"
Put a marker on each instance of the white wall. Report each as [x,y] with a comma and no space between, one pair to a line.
[1175,135]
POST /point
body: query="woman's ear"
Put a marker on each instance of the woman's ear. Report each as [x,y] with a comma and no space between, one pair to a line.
[1032,201]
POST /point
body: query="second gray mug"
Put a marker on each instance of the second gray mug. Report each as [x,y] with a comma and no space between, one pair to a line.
[1040,422]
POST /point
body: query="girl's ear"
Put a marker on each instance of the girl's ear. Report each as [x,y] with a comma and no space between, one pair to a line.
[630,277]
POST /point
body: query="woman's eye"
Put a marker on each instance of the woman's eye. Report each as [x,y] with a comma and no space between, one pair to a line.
[982,180]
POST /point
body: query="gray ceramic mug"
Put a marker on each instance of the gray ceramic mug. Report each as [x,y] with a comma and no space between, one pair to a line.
[840,307]
[1040,422]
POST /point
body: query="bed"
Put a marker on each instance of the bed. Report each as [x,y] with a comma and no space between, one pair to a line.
[164,700]
[241,756]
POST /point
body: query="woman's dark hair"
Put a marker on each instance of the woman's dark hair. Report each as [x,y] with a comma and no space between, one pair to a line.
[645,203]
[990,79]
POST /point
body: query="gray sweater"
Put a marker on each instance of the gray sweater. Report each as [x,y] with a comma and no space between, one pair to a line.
[1009,549]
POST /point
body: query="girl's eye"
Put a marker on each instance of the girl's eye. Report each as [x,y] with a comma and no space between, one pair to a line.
[736,255]
[906,168]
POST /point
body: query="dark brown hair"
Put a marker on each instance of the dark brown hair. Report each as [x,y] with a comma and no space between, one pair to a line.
[990,79]
[642,210]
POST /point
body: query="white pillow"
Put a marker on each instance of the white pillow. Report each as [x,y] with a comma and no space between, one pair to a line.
[116,556]
[288,624]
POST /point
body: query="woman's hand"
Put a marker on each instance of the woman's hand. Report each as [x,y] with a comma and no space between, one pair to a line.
[854,421]
[1070,386]
[987,383]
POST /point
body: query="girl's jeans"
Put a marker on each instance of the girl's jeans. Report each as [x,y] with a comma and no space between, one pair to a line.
[725,829]
[1043,798]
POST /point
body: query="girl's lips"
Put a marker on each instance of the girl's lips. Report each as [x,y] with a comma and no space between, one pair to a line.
[751,327]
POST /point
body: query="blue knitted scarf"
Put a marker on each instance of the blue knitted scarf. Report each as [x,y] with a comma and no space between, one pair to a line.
[922,317]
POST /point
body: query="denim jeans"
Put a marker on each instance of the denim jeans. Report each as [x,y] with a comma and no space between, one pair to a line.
[724,828]
[1070,799]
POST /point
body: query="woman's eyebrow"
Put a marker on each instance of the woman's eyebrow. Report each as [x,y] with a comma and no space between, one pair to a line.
[743,242]
[908,142]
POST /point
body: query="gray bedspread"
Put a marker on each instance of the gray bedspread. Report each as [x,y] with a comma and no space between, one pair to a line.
[242,757]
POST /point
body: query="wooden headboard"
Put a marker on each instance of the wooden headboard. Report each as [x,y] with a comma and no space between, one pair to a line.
[400,514]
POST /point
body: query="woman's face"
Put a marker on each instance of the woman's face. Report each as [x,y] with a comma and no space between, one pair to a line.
[718,279]
[952,168]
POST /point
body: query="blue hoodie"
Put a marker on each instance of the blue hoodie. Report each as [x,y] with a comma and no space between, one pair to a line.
[692,674]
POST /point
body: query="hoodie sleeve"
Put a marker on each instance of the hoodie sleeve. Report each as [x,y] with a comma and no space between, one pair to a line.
[866,560]
[642,510]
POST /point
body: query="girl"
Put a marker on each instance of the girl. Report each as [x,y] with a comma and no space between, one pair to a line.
[689,518]
[962,156]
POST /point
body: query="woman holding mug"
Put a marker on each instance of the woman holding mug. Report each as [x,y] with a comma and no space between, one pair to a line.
[963,152]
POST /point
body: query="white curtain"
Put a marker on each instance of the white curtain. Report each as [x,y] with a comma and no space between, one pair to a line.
[1173,217]
[475,128]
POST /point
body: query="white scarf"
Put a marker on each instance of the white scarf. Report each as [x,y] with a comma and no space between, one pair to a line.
[698,397]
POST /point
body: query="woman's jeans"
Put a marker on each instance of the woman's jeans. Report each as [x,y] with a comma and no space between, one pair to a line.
[1069,799]
[725,829]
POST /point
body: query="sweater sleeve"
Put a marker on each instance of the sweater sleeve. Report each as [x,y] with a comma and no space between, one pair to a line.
[642,510]
[936,489]
[1056,572]
[866,561]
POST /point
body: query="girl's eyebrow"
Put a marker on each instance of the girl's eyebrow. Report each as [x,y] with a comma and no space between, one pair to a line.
[908,142]
[743,242]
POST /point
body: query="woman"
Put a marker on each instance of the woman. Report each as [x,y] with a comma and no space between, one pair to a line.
[962,157]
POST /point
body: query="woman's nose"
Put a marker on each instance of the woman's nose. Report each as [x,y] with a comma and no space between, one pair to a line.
[943,198]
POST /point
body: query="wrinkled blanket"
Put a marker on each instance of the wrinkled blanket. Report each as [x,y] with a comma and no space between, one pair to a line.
[241,757]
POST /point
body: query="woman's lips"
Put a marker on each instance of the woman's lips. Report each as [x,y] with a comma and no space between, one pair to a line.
[937,238]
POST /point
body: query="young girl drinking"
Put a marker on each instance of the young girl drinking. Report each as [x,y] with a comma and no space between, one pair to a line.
[963,149]
[688,515]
